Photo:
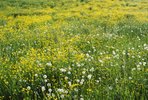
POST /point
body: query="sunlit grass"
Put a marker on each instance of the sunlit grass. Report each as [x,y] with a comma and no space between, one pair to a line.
[81,50]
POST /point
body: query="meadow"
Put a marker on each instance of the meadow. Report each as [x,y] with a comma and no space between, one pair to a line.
[73,50]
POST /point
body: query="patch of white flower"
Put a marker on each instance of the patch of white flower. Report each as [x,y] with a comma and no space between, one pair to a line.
[89,76]
[49,64]
[28,88]
[45,76]
[43,88]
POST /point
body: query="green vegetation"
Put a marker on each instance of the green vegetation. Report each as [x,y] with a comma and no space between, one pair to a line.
[73,49]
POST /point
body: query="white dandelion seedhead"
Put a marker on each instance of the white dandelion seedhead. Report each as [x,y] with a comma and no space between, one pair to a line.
[53,95]
[144,63]
[69,72]
[110,87]
[92,69]
[81,82]
[79,65]
[63,70]
[129,78]
[49,64]
[83,72]
[50,90]
[48,94]
[97,81]
[60,90]
[81,98]
[45,76]
[62,96]
[116,80]
[36,75]
[66,78]
[145,46]
[133,69]
[45,80]
[48,84]
[43,88]
[28,88]
[87,55]
[78,80]
[69,83]
[89,76]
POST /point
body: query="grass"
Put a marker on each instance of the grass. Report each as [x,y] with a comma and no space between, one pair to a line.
[79,49]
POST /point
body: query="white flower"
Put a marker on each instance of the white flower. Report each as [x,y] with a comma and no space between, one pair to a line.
[69,68]
[75,89]
[82,64]
[144,45]
[62,96]
[20,80]
[116,80]
[133,69]
[49,64]
[36,75]
[133,56]
[89,59]
[81,98]
[78,80]
[97,81]
[114,53]
[45,80]
[43,88]
[81,82]
[44,76]
[140,63]
[39,64]
[69,72]
[87,55]
[60,90]
[28,88]
[53,95]
[89,76]
[48,94]
[92,69]
[110,87]
[138,66]
[123,52]
[88,42]
[101,53]
[78,64]
[69,83]
[123,66]
[130,78]
[83,72]
[50,90]
[66,78]
[48,84]
[100,61]
[144,63]
[24,80]
[66,91]
[63,70]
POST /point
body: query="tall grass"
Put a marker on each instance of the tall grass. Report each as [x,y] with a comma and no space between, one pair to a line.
[63,52]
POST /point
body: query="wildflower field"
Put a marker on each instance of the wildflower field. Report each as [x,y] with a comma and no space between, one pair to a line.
[73,49]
